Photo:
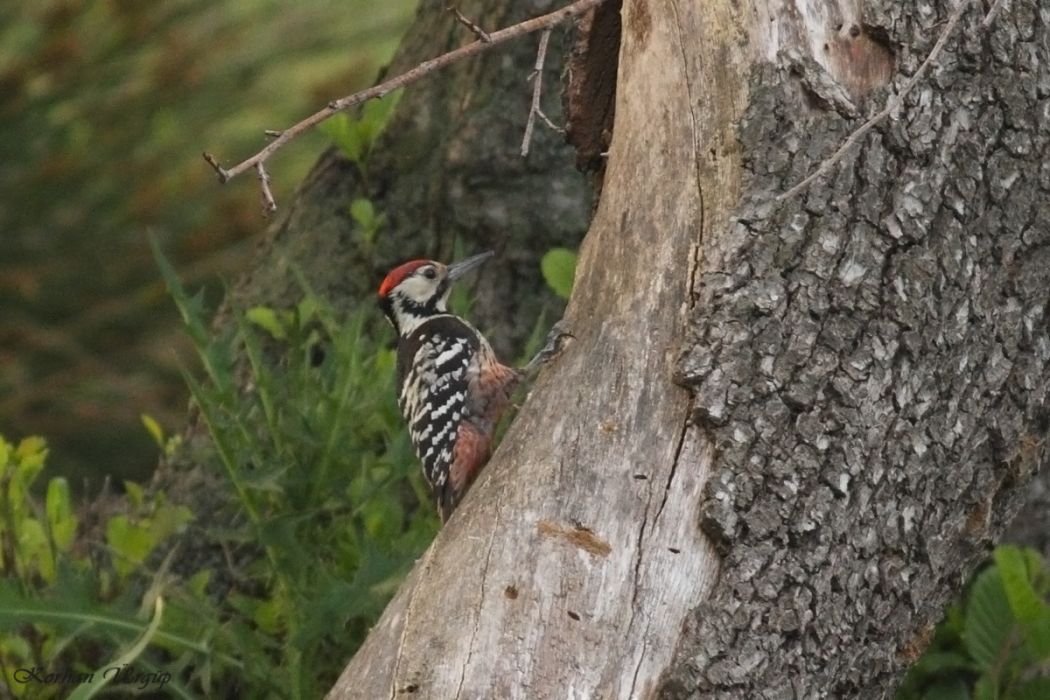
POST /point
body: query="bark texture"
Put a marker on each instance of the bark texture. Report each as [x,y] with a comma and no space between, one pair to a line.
[871,360]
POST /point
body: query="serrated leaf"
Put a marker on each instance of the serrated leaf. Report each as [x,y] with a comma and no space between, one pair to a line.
[559,269]
[989,621]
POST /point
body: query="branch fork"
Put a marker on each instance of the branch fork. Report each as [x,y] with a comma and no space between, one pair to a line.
[484,42]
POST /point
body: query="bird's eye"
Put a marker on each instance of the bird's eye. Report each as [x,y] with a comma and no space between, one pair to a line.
[430,273]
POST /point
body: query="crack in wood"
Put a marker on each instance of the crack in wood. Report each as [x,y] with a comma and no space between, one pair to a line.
[481,597]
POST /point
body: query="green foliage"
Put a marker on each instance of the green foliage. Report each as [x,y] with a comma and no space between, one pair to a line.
[363,212]
[996,643]
[317,460]
[559,270]
[327,511]
[54,598]
[354,137]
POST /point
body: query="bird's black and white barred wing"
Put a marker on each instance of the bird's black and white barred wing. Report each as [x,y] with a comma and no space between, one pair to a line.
[434,364]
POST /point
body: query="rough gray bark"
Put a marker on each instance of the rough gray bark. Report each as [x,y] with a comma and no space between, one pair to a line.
[869,363]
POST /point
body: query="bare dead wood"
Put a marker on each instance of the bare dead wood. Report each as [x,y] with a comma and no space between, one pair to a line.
[386,87]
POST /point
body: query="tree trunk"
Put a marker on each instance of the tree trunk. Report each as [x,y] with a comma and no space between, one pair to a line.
[866,365]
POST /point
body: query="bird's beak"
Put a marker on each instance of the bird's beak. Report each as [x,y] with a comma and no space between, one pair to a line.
[457,270]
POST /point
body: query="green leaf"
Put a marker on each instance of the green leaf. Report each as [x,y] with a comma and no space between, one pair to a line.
[34,550]
[1037,635]
[130,541]
[346,135]
[5,454]
[60,517]
[559,268]
[989,621]
[154,429]
[986,688]
[267,319]
[136,495]
[306,309]
[363,212]
[1024,602]
[30,454]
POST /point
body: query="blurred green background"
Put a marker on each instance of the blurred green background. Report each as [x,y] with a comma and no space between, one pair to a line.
[105,108]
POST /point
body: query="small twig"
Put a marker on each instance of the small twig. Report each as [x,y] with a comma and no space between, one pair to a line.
[269,203]
[422,70]
[547,120]
[992,12]
[224,175]
[480,33]
[537,91]
[891,105]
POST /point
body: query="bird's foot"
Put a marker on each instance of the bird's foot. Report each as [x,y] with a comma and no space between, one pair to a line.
[557,339]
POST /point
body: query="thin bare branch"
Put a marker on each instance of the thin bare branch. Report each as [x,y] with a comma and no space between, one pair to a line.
[424,69]
[224,175]
[537,91]
[267,194]
[892,104]
[480,33]
[547,120]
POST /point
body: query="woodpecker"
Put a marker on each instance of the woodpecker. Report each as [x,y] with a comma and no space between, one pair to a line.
[452,389]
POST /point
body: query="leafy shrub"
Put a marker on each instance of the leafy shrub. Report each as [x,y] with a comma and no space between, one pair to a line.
[320,480]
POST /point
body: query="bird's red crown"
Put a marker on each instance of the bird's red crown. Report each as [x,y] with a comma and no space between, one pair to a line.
[398,274]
